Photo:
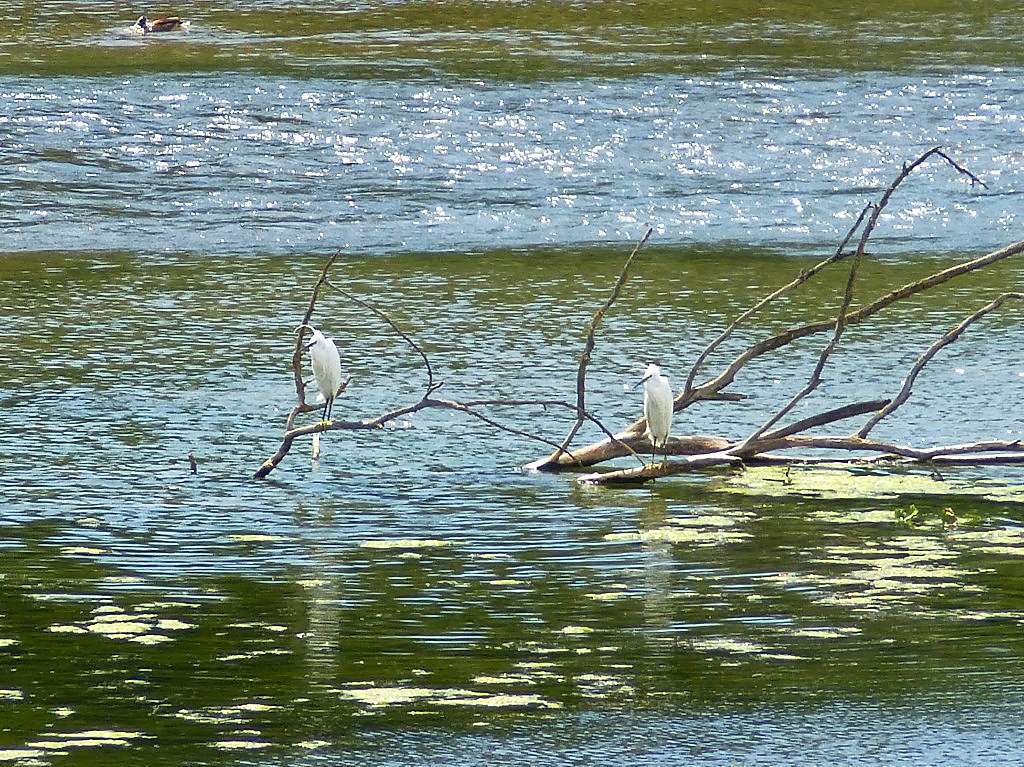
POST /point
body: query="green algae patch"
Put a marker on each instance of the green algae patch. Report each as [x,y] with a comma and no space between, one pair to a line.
[608,596]
[391,696]
[528,680]
[86,739]
[571,630]
[257,538]
[112,622]
[381,697]
[500,701]
[82,551]
[680,535]
[839,483]
[240,745]
[1001,541]
[18,754]
[823,633]
[405,543]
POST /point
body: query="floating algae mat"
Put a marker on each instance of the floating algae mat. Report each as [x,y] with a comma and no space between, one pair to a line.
[841,483]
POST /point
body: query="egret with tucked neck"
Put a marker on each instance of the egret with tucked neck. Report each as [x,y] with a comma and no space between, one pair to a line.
[326,364]
[657,408]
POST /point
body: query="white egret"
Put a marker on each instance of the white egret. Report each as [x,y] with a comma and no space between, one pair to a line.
[326,363]
[657,407]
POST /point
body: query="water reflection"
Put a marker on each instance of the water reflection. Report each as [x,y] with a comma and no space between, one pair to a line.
[415,634]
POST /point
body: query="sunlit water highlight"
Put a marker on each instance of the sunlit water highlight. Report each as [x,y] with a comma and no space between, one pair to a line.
[186,163]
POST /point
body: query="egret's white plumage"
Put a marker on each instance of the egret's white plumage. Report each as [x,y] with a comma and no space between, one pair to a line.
[326,363]
[657,406]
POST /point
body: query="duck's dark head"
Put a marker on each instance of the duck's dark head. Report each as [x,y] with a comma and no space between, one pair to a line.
[142,23]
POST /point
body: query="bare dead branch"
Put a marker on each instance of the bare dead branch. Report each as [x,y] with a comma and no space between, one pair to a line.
[840,253]
[460,407]
[599,452]
[856,444]
[935,348]
[657,470]
[976,453]
[858,315]
[829,416]
[977,459]
[602,451]
[960,168]
[608,449]
[545,403]
[869,228]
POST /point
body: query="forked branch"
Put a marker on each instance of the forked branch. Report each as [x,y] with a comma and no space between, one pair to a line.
[768,443]
[908,383]
[692,393]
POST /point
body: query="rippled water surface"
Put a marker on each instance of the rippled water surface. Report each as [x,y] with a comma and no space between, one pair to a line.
[414,597]
[203,163]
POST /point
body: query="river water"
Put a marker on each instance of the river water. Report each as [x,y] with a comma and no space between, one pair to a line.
[414,597]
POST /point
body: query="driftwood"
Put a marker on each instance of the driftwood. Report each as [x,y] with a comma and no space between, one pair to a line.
[770,443]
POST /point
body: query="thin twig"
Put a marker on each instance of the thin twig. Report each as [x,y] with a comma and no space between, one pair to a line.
[856,444]
[826,352]
[935,348]
[431,386]
[462,408]
[588,348]
[796,282]
[557,403]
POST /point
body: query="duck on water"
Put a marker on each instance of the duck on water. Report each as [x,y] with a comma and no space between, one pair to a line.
[165,24]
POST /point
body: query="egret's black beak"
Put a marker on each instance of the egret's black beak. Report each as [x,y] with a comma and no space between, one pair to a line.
[641,382]
[307,347]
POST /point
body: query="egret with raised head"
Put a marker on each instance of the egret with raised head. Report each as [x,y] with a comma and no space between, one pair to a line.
[657,408]
[326,364]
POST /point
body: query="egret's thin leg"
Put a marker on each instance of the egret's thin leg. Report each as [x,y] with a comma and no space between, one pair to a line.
[330,408]
[326,403]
